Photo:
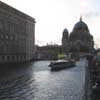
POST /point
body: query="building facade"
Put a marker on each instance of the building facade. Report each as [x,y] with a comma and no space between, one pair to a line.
[17,35]
[79,40]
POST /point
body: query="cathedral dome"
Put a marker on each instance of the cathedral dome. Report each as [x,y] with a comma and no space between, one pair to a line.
[80,26]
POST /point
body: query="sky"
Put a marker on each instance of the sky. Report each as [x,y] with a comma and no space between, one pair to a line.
[53,16]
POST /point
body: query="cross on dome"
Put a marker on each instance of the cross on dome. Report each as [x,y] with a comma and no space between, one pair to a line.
[80,18]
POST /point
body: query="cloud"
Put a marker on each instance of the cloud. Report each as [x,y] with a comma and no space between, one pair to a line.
[91,14]
[90,8]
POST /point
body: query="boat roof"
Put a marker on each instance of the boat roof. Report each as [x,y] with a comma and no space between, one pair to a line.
[58,61]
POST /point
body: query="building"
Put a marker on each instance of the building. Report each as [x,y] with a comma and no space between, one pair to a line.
[79,40]
[65,41]
[48,52]
[17,35]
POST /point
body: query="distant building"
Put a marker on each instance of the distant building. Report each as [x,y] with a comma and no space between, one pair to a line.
[16,35]
[48,52]
[79,40]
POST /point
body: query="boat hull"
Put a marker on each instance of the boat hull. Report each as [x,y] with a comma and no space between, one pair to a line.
[61,65]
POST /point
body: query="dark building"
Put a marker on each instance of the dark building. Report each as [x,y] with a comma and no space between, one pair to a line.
[80,39]
[65,40]
[16,35]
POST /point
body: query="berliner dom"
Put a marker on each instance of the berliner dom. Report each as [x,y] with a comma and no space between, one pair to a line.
[79,40]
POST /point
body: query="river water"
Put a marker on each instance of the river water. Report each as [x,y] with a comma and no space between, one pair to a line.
[37,82]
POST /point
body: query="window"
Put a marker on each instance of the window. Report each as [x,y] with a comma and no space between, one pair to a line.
[11,37]
[2,36]
[8,57]
[3,57]
[6,36]
[1,24]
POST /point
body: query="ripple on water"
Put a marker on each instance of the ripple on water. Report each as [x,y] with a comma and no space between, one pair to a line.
[39,83]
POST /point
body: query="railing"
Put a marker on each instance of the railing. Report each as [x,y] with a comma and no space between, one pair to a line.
[92,82]
[87,94]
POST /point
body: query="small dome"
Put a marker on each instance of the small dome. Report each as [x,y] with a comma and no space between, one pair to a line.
[65,34]
[81,26]
[65,31]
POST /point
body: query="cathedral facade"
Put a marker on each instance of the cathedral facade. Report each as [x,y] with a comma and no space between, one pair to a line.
[79,40]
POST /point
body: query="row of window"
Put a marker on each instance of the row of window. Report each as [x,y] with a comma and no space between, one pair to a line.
[80,30]
[9,39]
[13,58]
[12,37]
[6,36]
[16,28]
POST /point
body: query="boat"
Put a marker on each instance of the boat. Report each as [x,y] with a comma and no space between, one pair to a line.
[61,64]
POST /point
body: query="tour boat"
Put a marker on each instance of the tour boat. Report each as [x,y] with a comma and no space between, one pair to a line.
[61,64]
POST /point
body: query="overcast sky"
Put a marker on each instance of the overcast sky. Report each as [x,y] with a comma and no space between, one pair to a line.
[52,16]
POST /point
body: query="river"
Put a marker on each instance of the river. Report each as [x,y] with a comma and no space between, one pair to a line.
[37,82]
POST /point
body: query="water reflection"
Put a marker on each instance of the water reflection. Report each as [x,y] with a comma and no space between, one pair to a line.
[37,82]
[16,83]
